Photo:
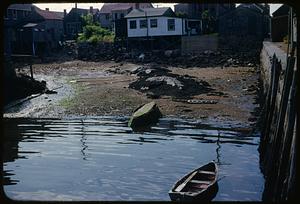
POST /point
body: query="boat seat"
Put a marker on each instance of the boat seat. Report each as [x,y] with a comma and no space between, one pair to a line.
[200,182]
[207,172]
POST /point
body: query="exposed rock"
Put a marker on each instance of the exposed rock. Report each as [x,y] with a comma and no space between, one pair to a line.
[141,57]
[145,116]
[152,95]
[168,53]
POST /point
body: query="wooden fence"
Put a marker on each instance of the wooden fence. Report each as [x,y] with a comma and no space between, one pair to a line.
[278,143]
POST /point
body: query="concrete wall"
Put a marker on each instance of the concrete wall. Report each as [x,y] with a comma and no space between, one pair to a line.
[160,30]
[198,43]
[268,50]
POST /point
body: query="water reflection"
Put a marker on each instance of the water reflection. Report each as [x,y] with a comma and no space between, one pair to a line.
[83,141]
[112,162]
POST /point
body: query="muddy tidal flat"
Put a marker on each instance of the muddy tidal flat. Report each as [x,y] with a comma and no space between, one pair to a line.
[104,88]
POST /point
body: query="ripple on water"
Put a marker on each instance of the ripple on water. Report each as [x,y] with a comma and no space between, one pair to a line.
[103,159]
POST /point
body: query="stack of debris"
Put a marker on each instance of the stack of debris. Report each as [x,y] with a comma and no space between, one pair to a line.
[156,81]
[227,55]
[70,47]
[207,59]
[96,52]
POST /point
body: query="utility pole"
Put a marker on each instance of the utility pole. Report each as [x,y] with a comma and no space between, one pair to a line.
[147,28]
[76,13]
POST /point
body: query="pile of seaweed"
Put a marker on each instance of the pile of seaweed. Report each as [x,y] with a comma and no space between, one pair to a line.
[157,81]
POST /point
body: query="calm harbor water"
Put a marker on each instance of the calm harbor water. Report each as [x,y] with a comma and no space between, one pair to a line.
[103,159]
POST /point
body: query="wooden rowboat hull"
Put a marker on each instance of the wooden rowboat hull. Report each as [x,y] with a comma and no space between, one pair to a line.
[207,195]
[198,185]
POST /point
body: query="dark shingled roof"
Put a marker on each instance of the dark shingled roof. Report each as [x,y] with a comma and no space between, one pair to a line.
[163,11]
[108,7]
[24,7]
[60,14]
[49,15]
[82,11]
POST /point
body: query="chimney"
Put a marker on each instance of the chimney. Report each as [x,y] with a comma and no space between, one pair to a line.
[137,5]
[47,9]
[65,12]
[91,10]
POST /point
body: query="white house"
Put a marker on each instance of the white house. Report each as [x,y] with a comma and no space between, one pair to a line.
[154,22]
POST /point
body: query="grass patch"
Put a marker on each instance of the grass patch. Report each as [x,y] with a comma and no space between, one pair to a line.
[72,101]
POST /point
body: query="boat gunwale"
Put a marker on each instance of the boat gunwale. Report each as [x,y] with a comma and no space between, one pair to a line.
[172,191]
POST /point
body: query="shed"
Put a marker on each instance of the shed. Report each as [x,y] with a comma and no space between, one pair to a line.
[73,22]
[245,21]
[279,23]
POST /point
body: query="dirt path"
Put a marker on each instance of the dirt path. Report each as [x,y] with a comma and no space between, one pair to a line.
[102,88]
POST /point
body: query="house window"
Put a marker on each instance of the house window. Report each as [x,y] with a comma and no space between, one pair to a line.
[143,23]
[153,23]
[132,24]
[171,24]
[107,16]
[122,15]
[116,16]
[6,14]
[14,14]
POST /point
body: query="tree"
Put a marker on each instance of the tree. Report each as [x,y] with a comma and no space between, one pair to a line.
[89,20]
[93,32]
[208,22]
[181,15]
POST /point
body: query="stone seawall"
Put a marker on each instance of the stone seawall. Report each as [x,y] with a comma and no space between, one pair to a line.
[198,43]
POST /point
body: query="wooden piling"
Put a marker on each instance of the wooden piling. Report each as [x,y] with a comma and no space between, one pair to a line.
[277,147]
[278,140]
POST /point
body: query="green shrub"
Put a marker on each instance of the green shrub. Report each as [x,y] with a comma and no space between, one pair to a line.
[94,33]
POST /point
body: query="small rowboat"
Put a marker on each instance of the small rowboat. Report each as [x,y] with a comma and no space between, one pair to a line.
[200,184]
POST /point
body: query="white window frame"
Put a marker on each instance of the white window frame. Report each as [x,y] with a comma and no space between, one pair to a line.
[169,24]
[144,21]
[130,24]
[153,21]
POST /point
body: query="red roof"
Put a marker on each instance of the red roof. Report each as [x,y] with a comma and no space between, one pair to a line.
[49,15]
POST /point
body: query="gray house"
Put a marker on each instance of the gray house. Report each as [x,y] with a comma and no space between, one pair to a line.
[73,21]
[197,11]
[42,32]
[14,16]
[30,30]
[246,20]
